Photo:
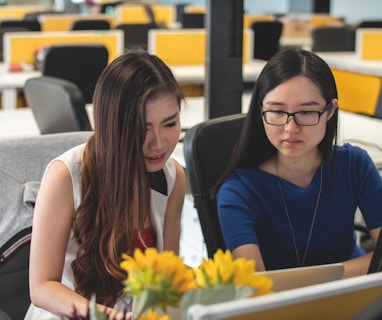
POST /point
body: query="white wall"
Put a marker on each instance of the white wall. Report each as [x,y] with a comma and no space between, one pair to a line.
[352,10]
[356,10]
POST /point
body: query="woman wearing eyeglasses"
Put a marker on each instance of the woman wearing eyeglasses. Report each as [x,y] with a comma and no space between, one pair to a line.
[290,193]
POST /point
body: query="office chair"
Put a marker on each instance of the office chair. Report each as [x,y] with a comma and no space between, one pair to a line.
[57,105]
[80,64]
[266,38]
[370,24]
[28,25]
[333,39]
[90,24]
[22,164]
[193,20]
[136,34]
[207,149]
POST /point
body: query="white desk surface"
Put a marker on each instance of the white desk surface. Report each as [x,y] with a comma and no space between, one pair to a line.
[349,61]
[192,74]
[196,74]
[184,74]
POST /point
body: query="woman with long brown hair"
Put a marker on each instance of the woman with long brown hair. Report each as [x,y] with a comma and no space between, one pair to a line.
[119,191]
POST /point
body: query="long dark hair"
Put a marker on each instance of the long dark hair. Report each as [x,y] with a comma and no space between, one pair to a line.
[115,184]
[253,147]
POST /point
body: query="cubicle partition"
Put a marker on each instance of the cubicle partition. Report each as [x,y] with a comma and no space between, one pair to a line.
[369,44]
[185,51]
[188,46]
[63,22]
[21,46]
[359,74]
[136,13]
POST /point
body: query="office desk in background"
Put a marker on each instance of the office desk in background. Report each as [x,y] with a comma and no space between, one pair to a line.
[359,82]
[11,82]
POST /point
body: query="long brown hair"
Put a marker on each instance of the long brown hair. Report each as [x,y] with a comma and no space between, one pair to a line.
[115,184]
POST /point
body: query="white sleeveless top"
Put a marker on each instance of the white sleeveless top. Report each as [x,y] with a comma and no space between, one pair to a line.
[73,160]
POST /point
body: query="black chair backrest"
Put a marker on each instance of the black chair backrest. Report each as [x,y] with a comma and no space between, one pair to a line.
[333,39]
[57,105]
[29,25]
[266,38]
[136,34]
[80,64]
[193,20]
[90,24]
[208,146]
[370,24]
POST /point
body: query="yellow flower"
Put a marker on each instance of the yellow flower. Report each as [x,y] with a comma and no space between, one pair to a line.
[152,315]
[223,269]
[156,279]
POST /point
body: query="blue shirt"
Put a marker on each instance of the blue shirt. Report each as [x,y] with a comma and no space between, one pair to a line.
[251,210]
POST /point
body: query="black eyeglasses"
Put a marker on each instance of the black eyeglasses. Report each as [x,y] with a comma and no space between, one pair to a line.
[302,118]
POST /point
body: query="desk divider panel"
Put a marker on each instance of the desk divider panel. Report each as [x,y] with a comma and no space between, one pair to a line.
[188,46]
[369,43]
[129,13]
[322,20]
[164,14]
[357,92]
[21,46]
[56,22]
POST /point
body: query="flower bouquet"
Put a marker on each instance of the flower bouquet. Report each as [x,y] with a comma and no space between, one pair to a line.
[160,282]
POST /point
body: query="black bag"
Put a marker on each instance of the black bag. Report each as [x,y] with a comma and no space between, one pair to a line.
[14,273]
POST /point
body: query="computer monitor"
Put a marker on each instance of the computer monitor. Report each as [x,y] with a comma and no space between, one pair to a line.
[376,260]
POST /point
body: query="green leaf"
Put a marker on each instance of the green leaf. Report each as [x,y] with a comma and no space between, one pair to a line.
[147,300]
[95,314]
[211,295]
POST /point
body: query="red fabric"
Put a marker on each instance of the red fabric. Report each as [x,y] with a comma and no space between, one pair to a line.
[147,238]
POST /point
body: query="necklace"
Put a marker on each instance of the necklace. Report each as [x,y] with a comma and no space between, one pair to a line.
[301,263]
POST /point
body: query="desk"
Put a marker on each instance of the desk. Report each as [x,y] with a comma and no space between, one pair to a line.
[196,74]
[348,61]
[296,42]
[359,82]
[10,82]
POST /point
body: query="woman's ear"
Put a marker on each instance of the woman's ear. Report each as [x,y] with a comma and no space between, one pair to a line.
[333,108]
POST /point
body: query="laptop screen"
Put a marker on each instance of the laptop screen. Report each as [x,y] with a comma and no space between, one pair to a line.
[376,260]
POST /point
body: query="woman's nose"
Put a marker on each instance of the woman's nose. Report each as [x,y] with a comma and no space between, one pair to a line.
[291,123]
[156,140]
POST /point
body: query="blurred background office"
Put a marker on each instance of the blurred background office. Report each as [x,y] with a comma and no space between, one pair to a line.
[352,11]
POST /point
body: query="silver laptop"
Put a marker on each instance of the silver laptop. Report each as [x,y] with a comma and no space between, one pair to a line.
[292,278]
